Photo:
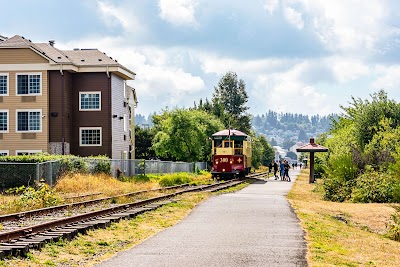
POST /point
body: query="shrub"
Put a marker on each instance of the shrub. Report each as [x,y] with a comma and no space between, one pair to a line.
[103,166]
[174,179]
[393,228]
[340,178]
[376,187]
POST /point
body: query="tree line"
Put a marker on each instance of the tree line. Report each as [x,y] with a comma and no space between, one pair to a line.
[181,134]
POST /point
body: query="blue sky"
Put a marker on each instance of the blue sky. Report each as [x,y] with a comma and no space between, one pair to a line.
[299,56]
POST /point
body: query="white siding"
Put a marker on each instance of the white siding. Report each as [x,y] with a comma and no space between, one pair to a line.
[118,144]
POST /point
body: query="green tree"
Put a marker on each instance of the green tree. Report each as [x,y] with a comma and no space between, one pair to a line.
[287,143]
[143,145]
[262,152]
[229,102]
[302,136]
[183,134]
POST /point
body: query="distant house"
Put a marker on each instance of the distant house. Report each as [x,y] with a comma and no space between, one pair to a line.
[64,101]
[296,146]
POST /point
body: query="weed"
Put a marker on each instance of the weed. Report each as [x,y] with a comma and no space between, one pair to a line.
[393,231]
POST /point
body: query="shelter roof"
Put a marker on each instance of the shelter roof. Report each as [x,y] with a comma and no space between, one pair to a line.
[312,147]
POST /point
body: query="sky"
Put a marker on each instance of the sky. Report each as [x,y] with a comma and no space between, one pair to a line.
[298,56]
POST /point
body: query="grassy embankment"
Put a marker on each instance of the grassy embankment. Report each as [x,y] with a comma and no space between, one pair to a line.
[343,234]
[98,245]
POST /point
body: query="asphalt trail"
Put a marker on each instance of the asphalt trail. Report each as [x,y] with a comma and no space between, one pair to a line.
[255,226]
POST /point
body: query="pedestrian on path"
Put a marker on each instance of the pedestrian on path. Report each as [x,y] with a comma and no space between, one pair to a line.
[275,170]
[286,174]
[282,169]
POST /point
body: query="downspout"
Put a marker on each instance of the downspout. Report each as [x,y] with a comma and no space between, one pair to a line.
[62,112]
[109,114]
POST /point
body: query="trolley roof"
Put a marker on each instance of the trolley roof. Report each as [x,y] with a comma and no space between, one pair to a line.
[232,134]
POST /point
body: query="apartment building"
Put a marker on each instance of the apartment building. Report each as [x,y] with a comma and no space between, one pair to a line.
[64,101]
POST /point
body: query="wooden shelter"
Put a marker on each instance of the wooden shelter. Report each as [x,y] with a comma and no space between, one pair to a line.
[312,147]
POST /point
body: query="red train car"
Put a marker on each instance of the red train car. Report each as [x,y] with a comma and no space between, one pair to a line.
[231,154]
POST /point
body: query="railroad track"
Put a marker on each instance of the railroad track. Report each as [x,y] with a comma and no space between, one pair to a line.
[18,242]
[32,213]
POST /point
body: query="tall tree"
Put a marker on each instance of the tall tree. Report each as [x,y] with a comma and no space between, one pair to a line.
[143,146]
[183,134]
[229,102]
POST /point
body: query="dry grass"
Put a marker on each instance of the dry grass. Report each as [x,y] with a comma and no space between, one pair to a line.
[79,184]
[343,234]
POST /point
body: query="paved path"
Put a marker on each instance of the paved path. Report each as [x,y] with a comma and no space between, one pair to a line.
[252,227]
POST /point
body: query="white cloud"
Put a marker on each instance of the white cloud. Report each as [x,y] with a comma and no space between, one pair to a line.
[347,25]
[388,77]
[285,91]
[346,69]
[178,12]
[271,5]
[294,17]
[121,15]
[220,65]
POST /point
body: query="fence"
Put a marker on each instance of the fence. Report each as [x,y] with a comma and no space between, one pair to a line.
[14,174]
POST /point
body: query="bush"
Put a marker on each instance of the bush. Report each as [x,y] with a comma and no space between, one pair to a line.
[103,166]
[393,227]
[174,179]
[340,178]
[375,187]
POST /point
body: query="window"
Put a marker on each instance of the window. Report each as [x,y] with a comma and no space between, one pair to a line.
[29,120]
[3,84]
[89,101]
[29,84]
[4,153]
[27,152]
[90,136]
[3,121]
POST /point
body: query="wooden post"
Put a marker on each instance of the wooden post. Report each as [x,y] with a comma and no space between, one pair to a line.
[311,167]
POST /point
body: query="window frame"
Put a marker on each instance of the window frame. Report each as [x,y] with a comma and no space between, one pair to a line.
[89,92]
[7,152]
[90,128]
[8,120]
[8,84]
[29,110]
[29,74]
[28,151]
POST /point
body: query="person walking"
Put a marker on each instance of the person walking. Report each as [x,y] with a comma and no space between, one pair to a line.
[282,169]
[270,167]
[275,170]
[286,173]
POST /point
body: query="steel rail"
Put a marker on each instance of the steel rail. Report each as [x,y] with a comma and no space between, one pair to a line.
[30,213]
[28,231]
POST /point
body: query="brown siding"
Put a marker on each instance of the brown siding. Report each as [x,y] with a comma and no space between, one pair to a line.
[20,56]
[91,82]
[56,83]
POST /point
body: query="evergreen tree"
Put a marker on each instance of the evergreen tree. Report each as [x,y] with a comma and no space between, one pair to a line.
[229,102]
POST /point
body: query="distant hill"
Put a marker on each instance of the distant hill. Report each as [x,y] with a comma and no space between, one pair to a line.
[285,129]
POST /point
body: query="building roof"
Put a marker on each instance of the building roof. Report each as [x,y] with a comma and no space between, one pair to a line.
[2,38]
[229,133]
[76,57]
[312,147]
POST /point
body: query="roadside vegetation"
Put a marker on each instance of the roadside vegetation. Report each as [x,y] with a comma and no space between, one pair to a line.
[78,184]
[363,162]
[345,233]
